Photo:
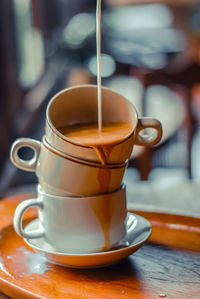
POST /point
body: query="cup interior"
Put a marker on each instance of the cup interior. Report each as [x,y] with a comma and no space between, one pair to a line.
[78,105]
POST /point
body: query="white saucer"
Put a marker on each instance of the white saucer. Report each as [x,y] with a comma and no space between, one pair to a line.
[138,230]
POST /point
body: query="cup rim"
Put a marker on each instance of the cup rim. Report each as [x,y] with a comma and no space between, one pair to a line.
[61,136]
[79,161]
[41,191]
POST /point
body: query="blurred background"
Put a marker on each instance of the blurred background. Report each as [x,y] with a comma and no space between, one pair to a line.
[150,54]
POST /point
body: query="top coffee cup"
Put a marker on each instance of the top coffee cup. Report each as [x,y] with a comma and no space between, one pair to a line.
[78,106]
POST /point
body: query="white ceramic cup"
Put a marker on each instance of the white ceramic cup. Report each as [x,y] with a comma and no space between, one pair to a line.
[76,224]
[64,175]
[78,105]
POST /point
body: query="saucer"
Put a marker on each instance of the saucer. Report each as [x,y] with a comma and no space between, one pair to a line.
[138,230]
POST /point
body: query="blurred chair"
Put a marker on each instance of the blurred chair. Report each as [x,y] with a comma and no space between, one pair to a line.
[182,83]
[155,45]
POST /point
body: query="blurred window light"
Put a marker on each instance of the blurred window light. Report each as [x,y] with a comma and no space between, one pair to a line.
[153,40]
[78,29]
[195,157]
[147,48]
[194,18]
[21,6]
[108,65]
[154,61]
[140,16]
[170,40]
[196,101]
[29,44]
[167,106]
[33,58]
[130,87]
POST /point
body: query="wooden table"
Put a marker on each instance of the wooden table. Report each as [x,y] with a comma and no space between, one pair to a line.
[168,266]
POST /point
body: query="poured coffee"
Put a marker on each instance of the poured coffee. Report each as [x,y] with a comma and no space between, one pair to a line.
[102,141]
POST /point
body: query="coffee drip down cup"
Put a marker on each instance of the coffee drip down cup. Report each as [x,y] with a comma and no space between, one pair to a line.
[76,224]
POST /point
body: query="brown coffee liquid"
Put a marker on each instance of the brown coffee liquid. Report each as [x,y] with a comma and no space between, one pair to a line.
[103,210]
[104,141]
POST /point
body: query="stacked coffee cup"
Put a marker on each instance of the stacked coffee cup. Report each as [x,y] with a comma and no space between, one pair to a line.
[81,202]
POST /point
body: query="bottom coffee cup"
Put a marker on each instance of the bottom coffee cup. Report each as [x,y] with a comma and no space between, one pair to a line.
[76,224]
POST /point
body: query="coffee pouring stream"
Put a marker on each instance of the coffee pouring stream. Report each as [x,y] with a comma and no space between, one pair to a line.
[98,45]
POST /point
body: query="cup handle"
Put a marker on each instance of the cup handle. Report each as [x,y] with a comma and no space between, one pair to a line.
[28,165]
[148,139]
[18,218]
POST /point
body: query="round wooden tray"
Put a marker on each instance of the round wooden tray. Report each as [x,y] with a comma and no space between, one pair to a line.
[168,266]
